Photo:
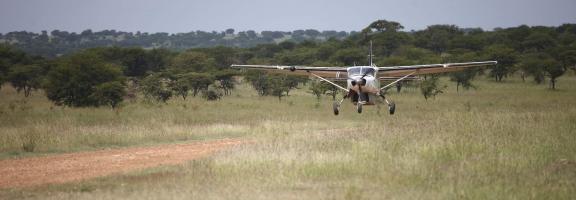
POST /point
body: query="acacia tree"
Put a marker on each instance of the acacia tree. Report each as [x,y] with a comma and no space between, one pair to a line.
[540,65]
[199,82]
[226,80]
[430,87]
[8,58]
[155,87]
[181,85]
[278,86]
[26,78]
[554,69]
[506,58]
[259,81]
[464,79]
[317,89]
[386,26]
[531,65]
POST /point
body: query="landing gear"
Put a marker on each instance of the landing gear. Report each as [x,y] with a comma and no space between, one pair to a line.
[359,103]
[336,107]
[391,105]
[392,108]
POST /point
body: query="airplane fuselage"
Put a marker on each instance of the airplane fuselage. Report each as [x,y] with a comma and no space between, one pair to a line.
[363,84]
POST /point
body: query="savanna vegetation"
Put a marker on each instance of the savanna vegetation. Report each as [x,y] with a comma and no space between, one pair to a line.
[512,137]
[508,140]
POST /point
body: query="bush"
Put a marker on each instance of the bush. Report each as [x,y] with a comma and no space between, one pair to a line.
[212,94]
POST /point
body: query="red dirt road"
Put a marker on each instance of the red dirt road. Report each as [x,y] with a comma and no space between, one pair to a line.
[84,165]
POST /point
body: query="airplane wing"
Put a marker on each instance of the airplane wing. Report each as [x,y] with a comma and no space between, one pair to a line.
[332,72]
[398,71]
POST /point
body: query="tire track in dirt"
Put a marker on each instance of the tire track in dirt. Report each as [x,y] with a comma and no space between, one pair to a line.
[69,167]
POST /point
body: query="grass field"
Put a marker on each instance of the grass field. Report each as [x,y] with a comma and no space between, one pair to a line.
[508,140]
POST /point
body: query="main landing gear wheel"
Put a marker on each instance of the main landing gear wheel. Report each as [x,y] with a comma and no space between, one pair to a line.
[392,108]
[359,107]
[336,107]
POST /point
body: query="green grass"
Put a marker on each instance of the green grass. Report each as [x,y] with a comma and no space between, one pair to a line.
[508,140]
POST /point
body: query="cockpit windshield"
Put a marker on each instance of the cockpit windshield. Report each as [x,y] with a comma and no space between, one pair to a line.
[361,71]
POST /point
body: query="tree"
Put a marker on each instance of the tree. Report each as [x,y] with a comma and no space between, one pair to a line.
[259,81]
[3,72]
[463,78]
[291,82]
[278,86]
[437,37]
[538,41]
[386,26]
[182,85]
[26,78]
[506,58]
[75,79]
[136,62]
[156,87]
[540,65]
[199,82]
[430,87]
[192,61]
[349,57]
[386,43]
[9,57]
[554,69]
[226,80]
[109,93]
[317,89]
[531,64]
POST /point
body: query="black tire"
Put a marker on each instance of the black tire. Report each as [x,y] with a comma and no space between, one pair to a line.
[336,108]
[359,107]
[392,108]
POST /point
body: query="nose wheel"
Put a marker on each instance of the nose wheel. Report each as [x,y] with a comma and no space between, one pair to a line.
[359,107]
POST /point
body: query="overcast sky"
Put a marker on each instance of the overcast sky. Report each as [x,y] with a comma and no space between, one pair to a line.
[175,16]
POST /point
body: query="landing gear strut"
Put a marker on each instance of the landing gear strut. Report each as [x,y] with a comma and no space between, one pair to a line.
[336,105]
[391,105]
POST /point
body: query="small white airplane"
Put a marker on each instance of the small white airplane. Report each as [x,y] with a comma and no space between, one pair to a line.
[363,82]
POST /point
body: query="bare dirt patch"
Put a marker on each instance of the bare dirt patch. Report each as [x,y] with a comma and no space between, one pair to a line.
[84,165]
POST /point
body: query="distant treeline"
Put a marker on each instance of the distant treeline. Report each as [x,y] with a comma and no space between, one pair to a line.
[57,43]
[108,75]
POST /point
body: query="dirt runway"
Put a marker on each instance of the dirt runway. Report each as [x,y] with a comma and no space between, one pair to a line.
[69,167]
